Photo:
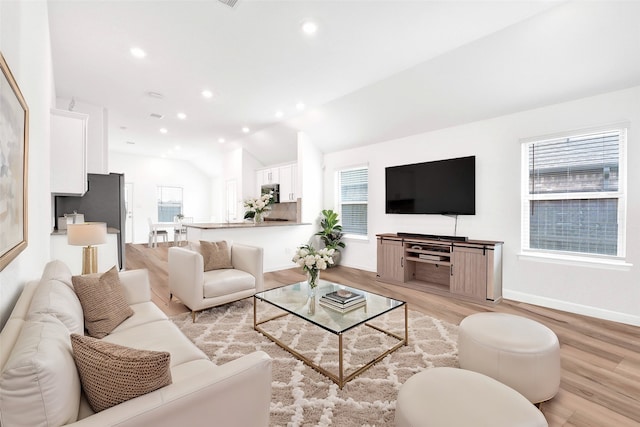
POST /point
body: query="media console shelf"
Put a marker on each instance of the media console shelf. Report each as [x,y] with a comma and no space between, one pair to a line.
[468,269]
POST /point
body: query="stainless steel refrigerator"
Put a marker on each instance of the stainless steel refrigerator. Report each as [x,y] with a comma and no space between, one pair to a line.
[103,202]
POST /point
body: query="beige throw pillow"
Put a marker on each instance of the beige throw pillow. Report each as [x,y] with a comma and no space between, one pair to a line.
[215,255]
[112,374]
[103,302]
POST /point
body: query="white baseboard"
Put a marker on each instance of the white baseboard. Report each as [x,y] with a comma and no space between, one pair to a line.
[570,307]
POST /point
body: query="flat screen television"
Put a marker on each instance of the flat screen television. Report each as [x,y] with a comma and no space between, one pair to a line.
[446,187]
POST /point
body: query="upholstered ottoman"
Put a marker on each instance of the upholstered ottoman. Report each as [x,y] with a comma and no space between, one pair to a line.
[519,352]
[450,397]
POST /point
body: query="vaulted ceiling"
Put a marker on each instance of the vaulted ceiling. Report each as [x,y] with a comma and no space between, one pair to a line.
[373,71]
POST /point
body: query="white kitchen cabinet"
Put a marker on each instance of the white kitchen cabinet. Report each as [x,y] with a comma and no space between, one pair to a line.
[68,152]
[271,176]
[267,176]
[285,175]
[288,180]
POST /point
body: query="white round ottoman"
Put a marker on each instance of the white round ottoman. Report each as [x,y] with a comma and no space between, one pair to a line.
[451,397]
[519,352]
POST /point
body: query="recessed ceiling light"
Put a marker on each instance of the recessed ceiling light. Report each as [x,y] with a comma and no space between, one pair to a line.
[221,140]
[177,148]
[137,52]
[207,93]
[163,130]
[279,114]
[300,106]
[309,27]
[246,129]
[182,116]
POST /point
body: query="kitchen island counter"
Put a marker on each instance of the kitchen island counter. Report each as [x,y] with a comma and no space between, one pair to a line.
[279,239]
[219,225]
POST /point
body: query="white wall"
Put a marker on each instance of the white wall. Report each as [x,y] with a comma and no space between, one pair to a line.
[24,42]
[147,174]
[597,291]
[310,179]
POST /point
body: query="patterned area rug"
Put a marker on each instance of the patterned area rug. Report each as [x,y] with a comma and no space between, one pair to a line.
[303,397]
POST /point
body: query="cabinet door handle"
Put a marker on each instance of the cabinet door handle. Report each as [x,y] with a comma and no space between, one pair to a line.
[402,261]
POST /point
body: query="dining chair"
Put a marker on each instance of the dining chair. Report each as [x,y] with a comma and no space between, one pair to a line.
[180,231]
[154,233]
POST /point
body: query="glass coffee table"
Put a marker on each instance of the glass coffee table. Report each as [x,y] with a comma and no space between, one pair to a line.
[296,300]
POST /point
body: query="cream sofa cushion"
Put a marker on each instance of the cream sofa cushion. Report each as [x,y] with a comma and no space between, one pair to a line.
[57,270]
[226,282]
[40,383]
[159,336]
[59,300]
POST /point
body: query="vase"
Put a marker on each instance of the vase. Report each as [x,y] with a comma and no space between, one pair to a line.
[312,304]
[313,278]
[258,218]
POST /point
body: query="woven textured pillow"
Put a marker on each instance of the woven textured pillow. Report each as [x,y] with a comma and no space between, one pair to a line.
[215,255]
[112,374]
[103,302]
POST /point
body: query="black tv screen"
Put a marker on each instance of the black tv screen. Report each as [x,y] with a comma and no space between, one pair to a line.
[439,187]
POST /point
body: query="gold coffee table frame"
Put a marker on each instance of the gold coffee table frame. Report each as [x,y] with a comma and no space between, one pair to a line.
[296,307]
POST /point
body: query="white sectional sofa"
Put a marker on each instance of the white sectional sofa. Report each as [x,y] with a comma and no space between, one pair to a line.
[39,385]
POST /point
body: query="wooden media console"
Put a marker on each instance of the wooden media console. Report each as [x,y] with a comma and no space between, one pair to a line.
[467,269]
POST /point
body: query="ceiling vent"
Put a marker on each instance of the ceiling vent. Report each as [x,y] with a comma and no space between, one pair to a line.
[156,115]
[230,3]
[155,95]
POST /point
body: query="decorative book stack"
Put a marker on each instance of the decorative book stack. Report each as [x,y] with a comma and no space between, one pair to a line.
[343,300]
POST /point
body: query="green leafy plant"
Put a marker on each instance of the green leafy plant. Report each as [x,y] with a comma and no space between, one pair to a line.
[331,233]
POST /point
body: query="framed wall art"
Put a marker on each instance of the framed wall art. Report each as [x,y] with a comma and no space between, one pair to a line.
[14,143]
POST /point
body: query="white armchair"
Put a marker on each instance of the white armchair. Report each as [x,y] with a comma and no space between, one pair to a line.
[199,289]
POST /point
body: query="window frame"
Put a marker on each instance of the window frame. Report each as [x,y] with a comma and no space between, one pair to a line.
[339,202]
[620,194]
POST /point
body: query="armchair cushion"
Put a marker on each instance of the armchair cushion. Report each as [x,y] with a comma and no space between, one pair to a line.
[225,282]
[112,374]
[216,255]
[103,302]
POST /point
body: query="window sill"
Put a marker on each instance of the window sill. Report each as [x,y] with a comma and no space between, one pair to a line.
[356,237]
[613,264]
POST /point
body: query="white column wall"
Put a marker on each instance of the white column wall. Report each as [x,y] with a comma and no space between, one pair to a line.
[25,45]
[595,291]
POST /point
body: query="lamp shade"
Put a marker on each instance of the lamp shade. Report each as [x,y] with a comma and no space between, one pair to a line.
[87,234]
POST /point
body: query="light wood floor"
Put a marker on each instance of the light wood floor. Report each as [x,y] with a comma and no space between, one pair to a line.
[600,383]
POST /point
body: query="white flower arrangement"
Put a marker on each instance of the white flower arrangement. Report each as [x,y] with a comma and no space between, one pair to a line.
[312,261]
[258,206]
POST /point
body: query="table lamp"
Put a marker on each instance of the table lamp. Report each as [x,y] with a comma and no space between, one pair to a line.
[88,234]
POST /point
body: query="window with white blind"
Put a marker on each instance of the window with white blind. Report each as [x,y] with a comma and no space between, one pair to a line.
[169,203]
[574,194]
[353,196]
